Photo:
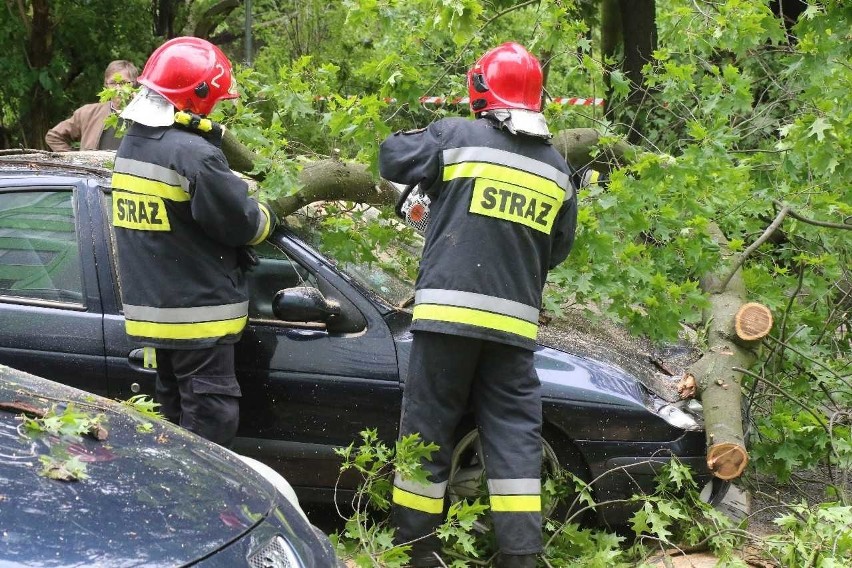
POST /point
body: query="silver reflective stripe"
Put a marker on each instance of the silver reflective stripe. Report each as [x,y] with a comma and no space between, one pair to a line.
[431,490]
[186,315]
[477,302]
[262,225]
[514,486]
[510,159]
[151,171]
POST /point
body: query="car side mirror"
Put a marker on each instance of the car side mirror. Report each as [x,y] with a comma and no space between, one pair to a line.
[304,303]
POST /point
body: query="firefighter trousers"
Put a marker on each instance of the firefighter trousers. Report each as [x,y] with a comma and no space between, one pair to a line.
[449,376]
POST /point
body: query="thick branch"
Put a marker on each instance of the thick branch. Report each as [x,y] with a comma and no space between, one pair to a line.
[717,376]
[213,17]
[333,180]
[579,147]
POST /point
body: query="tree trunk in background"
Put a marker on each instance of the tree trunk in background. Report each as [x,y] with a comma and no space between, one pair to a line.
[633,24]
[39,52]
[610,40]
[164,17]
[214,16]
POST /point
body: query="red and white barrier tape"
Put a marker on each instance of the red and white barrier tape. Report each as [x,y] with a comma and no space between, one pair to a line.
[466,100]
[569,101]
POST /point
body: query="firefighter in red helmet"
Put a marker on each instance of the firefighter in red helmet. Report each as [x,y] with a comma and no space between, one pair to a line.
[502,213]
[183,224]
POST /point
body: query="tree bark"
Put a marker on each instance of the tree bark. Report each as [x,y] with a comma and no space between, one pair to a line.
[39,53]
[213,17]
[331,180]
[719,385]
[578,146]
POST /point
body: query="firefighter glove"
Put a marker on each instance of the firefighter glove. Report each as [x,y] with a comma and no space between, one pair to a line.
[247,258]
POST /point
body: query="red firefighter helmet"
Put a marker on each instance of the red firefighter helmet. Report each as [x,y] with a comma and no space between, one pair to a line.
[191,73]
[507,76]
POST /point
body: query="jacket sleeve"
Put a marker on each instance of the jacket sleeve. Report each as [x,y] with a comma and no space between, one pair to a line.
[564,228]
[222,206]
[412,157]
[60,137]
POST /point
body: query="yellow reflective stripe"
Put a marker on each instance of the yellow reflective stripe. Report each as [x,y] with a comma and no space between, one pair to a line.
[516,503]
[507,175]
[454,314]
[149,357]
[514,203]
[148,187]
[265,227]
[431,505]
[198,330]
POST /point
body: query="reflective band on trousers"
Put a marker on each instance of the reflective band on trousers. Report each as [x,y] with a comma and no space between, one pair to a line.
[470,308]
[522,171]
[516,503]
[186,323]
[432,505]
[426,497]
[515,495]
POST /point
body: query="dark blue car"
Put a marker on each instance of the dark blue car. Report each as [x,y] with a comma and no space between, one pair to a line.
[317,364]
[138,491]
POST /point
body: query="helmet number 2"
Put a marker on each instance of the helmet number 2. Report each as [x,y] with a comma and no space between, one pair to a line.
[215,80]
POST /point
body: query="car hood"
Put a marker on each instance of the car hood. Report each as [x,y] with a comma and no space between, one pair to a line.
[155,495]
[563,376]
[569,377]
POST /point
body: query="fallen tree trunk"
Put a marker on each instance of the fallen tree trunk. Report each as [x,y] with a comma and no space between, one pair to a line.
[330,179]
[733,326]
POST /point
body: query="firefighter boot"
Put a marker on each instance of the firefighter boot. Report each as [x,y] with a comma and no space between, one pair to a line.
[515,560]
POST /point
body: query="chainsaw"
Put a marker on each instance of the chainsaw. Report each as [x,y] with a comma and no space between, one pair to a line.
[413,208]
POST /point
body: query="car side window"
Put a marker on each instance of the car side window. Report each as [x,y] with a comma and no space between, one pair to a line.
[39,254]
[275,272]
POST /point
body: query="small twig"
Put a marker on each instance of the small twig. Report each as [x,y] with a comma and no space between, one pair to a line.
[789,307]
[784,393]
[747,252]
[802,218]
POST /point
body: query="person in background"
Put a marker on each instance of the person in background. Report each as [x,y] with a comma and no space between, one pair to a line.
[503,212]
[87,124]
[184,224]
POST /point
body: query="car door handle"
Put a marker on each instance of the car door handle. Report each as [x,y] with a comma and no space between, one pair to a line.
[137,361]
[305,334]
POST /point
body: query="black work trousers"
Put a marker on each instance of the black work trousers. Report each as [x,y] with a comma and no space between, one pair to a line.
[198,389]
[448,375]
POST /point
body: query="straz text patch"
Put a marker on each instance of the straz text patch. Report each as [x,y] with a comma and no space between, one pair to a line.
[139,212]
[514,203]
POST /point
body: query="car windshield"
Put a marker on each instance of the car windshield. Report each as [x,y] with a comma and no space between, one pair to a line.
[369,245]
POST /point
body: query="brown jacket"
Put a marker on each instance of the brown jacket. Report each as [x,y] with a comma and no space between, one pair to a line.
[85,125]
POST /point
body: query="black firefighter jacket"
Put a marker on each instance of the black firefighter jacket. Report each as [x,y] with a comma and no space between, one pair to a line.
[503,212]
[180,215]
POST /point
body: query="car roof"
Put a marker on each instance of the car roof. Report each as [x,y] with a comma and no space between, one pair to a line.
[96,164]
[153,493]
